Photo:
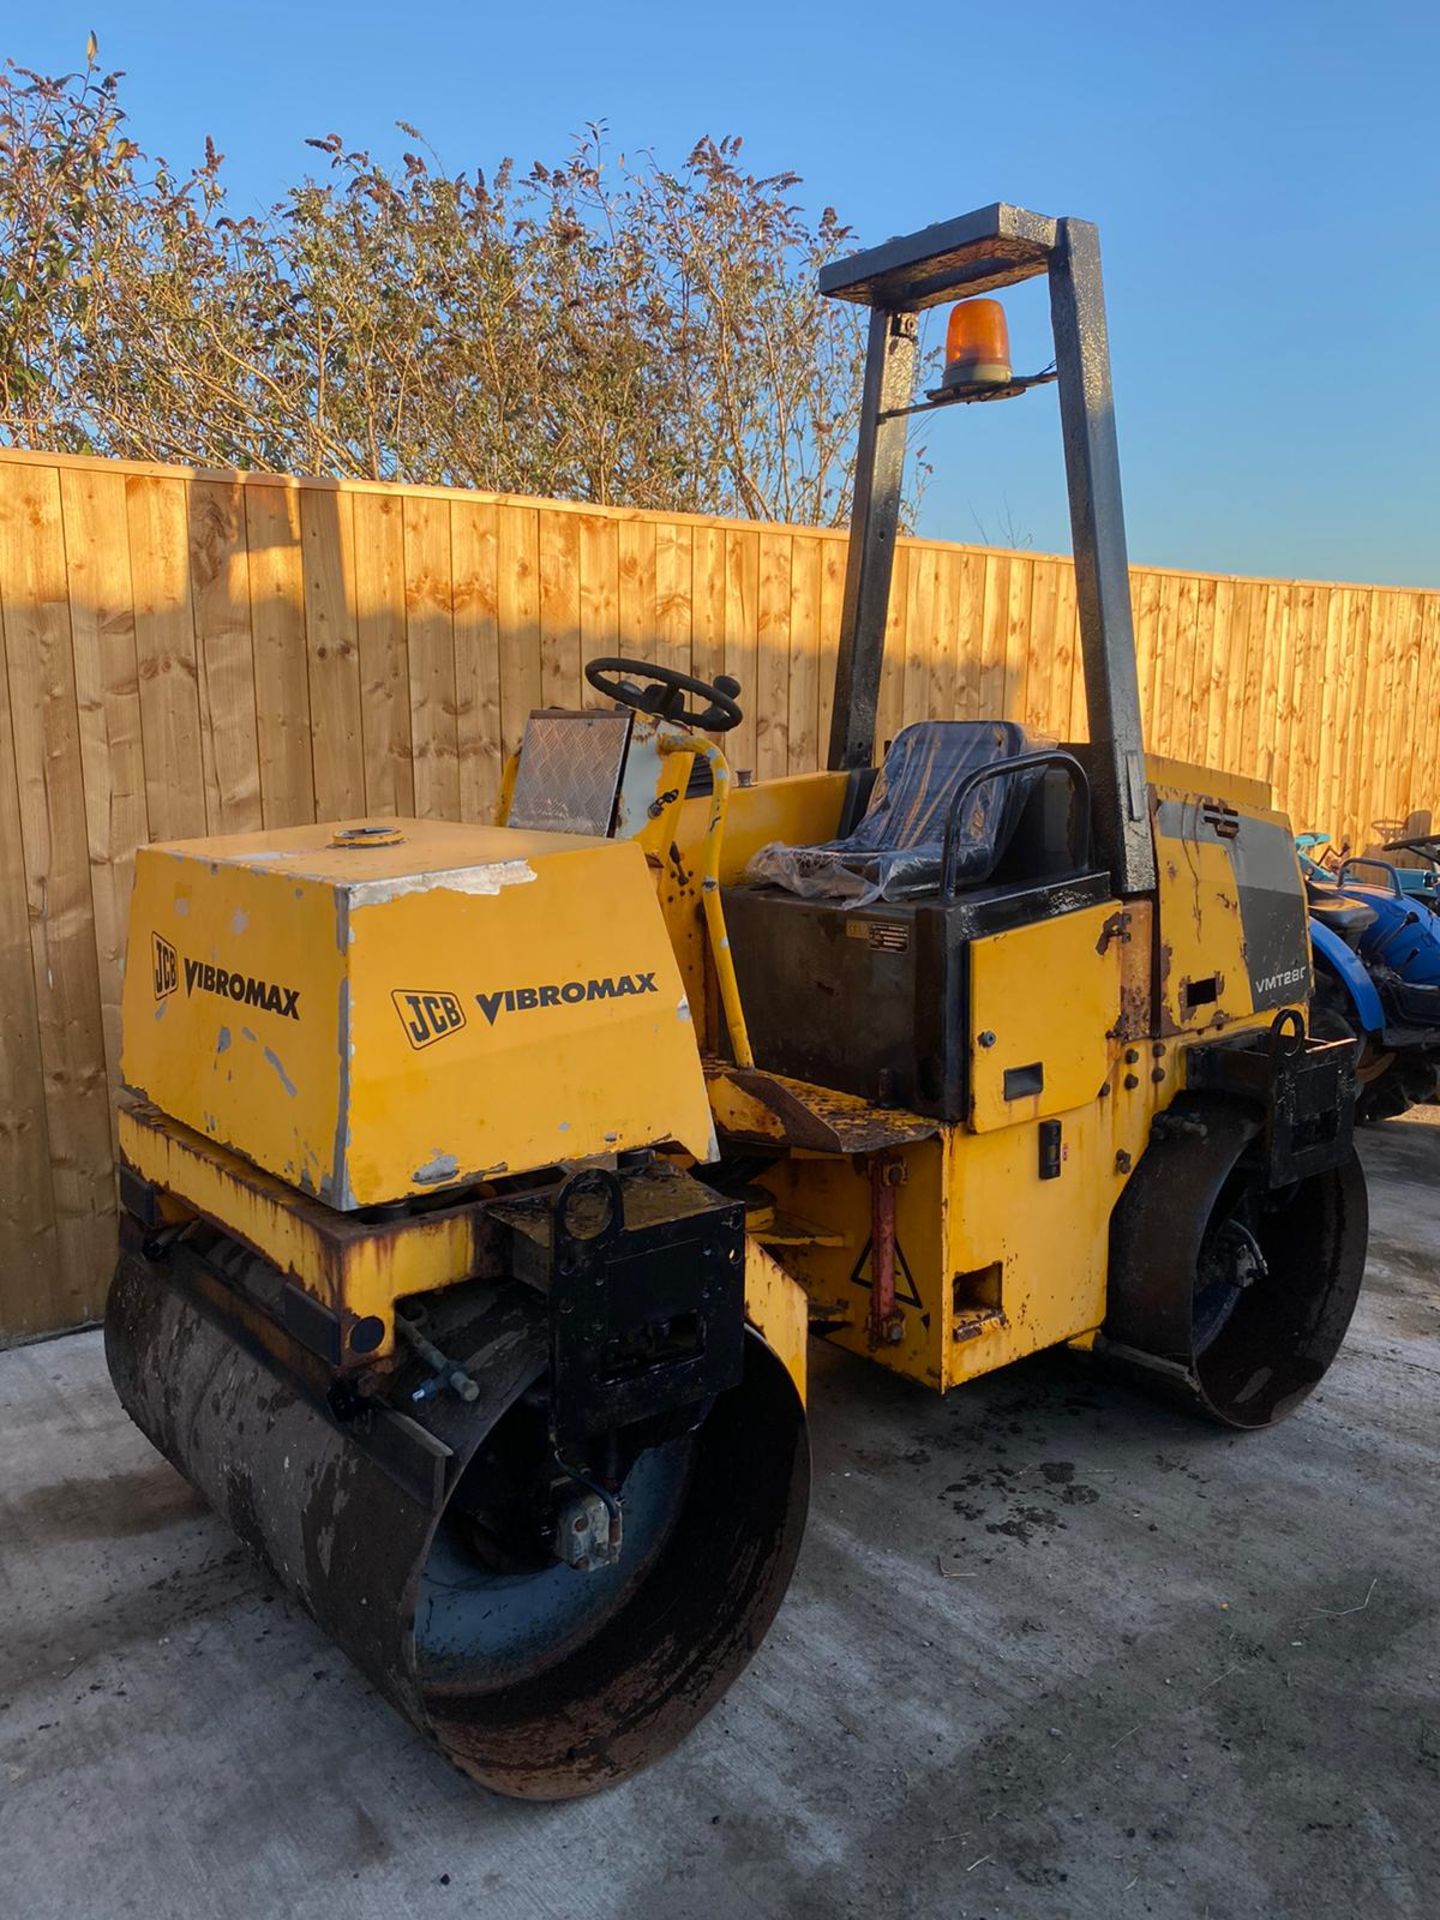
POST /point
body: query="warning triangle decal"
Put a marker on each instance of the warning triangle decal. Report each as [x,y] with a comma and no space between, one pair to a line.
[905,1293]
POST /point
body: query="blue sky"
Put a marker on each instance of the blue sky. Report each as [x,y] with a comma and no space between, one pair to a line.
[1266,179]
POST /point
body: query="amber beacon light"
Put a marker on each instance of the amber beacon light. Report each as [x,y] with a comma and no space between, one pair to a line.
[977,345]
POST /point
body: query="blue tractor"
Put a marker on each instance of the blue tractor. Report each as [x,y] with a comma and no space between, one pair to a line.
[1375,939]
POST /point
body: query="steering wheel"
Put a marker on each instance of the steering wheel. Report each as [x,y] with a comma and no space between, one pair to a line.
[665,694]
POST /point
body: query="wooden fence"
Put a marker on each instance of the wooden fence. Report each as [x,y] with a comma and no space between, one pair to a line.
[187,653]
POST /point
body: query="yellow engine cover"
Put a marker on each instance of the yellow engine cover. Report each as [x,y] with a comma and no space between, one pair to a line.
[414,1006]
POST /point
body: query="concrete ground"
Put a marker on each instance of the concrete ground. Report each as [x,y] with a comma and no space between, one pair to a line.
[1051,1650]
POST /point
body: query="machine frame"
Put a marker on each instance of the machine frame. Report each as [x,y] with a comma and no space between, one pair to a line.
[982,252]
[509,1387]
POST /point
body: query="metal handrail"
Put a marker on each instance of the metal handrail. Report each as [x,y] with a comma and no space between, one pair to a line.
[1000,770]
[1364,860]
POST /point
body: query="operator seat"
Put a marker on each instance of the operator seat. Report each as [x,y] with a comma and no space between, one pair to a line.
[852,957]
[895,851]
[1336,909]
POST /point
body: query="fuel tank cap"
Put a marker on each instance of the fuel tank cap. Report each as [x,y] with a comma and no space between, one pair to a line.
[369,835]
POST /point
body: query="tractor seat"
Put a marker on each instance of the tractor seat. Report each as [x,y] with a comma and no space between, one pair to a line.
[1341,912]
[895,852]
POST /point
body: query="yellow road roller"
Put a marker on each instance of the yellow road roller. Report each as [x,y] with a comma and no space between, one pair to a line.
[483,1185]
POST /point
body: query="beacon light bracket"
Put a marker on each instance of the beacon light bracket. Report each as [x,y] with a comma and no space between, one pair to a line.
[981,252]
[965,393]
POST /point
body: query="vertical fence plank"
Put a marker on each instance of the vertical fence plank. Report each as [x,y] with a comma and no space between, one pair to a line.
[1182,699]
[224,656]
[1239,614]
[383,652]
[1250,696]
[1212,644]
[1307,635]
[832,597]
[560,682]
[1383,795]
[1366,686]
[1166,736]
[337,755]
[1144,612]
[1044,686]
[803,717]
[890,712]
[742,638]
[157,521]
[1326,613]
[942,674]
[1289,650]
[599,586]
[707,620]
[28,1261]
[1336,677]
[1425,801]
[772,721]
[994,620]
[474,549]
[919,637]
[49,785]
[599,561]
[636,594]
[107,695]
[1067,620]
[430,644]
[674,592]
[1408,781]
[1017,621]
[282,679]
[518,601]
[969,638]
[1348,745]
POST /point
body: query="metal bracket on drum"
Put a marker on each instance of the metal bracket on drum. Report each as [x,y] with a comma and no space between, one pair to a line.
[645,1275]
[1304,1087]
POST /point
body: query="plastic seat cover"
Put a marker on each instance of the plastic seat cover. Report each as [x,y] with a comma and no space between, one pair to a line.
[895,852]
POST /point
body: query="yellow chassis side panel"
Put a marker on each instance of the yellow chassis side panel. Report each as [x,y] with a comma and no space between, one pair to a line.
[359,1268]
[777,1306]
[356,1268]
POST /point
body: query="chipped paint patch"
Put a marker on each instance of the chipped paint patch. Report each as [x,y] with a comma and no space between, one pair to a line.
[444,1166]
[273,1059]
[182,906]
[487,879]
[239,920]
[682,1012]
[246,1033]
[222,1040]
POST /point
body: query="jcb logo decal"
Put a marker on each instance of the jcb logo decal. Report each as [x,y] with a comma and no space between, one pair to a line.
[167,967]
[427,1017]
